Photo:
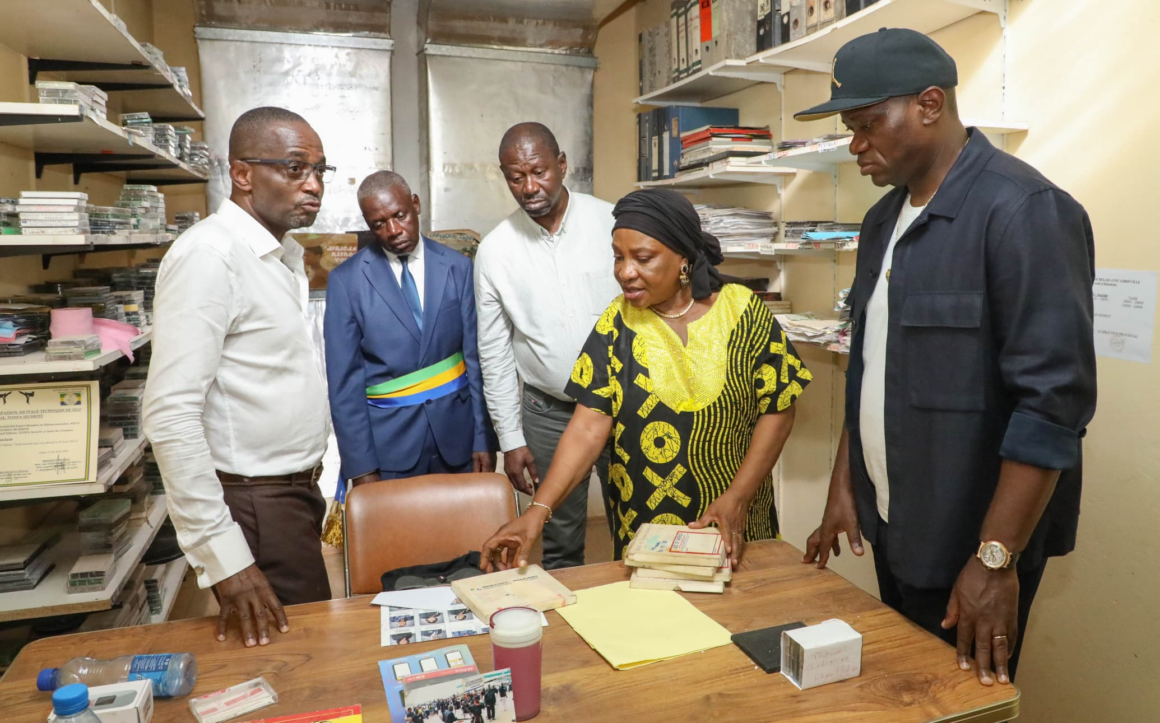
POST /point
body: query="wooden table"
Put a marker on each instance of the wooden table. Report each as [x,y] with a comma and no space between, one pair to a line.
[329,659]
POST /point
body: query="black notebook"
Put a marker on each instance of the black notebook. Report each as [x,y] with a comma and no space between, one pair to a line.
[764,645]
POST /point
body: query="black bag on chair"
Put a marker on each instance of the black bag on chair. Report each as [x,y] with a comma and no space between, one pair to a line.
[439,573]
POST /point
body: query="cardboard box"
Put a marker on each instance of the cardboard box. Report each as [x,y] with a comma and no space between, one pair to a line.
[130,702]
[819,654]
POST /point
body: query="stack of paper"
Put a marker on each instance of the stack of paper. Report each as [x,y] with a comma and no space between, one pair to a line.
[674,557]
[738,229]
[630,628]
[810,329]
[53,213]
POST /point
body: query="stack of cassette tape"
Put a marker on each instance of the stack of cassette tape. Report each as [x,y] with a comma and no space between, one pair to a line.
[55,213]
[138,124]
[110,219]
[110,442]
[24,563]
[104,527]
[122,408]
[186,219]
[9,217]
[147,205]
[165,138]
[98,298]
[199,155]
[132,303]
[91,573]
[73,348]
[92,100]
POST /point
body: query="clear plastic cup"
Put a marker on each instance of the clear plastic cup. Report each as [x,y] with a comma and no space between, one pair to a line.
[516,644]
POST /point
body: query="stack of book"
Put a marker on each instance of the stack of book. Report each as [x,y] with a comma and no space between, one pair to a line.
[92,100]
[146,204]
[25,563]
[53,213]
[104,528]
[23,328]
[674,557]
[709,144]
[73,348]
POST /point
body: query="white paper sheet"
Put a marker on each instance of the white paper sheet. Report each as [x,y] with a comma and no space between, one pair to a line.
[1125,313]
[438,598]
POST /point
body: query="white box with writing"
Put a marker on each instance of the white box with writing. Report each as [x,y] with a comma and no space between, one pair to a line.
[818,654]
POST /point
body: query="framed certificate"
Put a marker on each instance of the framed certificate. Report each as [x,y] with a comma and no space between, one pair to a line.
[49,433]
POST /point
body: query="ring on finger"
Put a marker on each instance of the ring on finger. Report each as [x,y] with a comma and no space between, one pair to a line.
[999,637]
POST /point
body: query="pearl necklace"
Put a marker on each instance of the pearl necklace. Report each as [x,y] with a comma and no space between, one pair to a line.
[674,316]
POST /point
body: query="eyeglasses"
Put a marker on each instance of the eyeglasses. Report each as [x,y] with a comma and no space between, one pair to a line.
[298,171]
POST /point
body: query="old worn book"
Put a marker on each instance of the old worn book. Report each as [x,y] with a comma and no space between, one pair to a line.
[641,581]
[677,545]
[529,587]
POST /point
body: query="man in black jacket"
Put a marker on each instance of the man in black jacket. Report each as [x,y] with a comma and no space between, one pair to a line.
[972,371]
[489,700]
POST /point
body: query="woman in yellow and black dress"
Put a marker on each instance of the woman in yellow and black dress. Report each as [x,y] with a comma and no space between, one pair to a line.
[695,382]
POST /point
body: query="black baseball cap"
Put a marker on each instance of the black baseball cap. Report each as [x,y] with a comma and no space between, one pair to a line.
[876,67]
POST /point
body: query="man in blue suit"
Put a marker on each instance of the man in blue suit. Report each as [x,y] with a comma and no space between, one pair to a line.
[402,364]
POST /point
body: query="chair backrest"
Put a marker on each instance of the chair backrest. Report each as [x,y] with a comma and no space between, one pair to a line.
[421,521]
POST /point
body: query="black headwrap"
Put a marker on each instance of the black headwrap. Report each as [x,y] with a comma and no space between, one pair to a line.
[670,218]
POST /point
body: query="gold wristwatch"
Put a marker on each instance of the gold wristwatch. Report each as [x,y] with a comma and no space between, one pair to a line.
[995,556]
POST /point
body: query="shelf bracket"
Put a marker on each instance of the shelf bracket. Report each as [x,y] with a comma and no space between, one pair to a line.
[36,66]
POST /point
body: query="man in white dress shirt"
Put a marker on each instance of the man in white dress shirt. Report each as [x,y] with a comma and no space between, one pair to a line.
[235,405]
[543,277]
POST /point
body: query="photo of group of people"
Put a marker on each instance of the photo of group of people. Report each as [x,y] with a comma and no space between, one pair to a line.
[403,626]
[474,699]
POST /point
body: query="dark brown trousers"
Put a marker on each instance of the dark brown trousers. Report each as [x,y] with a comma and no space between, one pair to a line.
[282,522]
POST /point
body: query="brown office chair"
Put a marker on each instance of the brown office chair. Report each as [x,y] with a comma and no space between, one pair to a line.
[420,521]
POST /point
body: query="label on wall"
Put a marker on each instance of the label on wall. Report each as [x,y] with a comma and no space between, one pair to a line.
[1125,313]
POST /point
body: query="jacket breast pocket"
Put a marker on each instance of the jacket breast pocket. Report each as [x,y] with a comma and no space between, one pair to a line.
[944,353]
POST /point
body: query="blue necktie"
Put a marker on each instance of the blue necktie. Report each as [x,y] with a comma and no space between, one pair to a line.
[411,291]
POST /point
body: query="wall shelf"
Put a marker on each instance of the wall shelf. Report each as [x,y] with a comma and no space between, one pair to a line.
[722,173]
[105,478]
[66,135]
[51,597]
[816,51]
[34,363]
[728,76]
[81,41]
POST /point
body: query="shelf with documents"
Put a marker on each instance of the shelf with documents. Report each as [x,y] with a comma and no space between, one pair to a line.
[81,41]
[105,479]
[826,155]
[66,135]
[51,596]
[174,574]
[808,248]
[728,76]
[815,52]
[722,173]
[832,348]
[35,363]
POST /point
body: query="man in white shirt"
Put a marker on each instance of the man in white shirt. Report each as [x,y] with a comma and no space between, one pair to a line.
[235,405]
[542,279]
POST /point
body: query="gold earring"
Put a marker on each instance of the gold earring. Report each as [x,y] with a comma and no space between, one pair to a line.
[684,275]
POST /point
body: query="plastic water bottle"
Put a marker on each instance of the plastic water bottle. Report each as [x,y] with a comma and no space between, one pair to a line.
[172,674]
[71,705]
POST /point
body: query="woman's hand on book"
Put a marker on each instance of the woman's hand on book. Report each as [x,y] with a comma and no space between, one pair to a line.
[510,546]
